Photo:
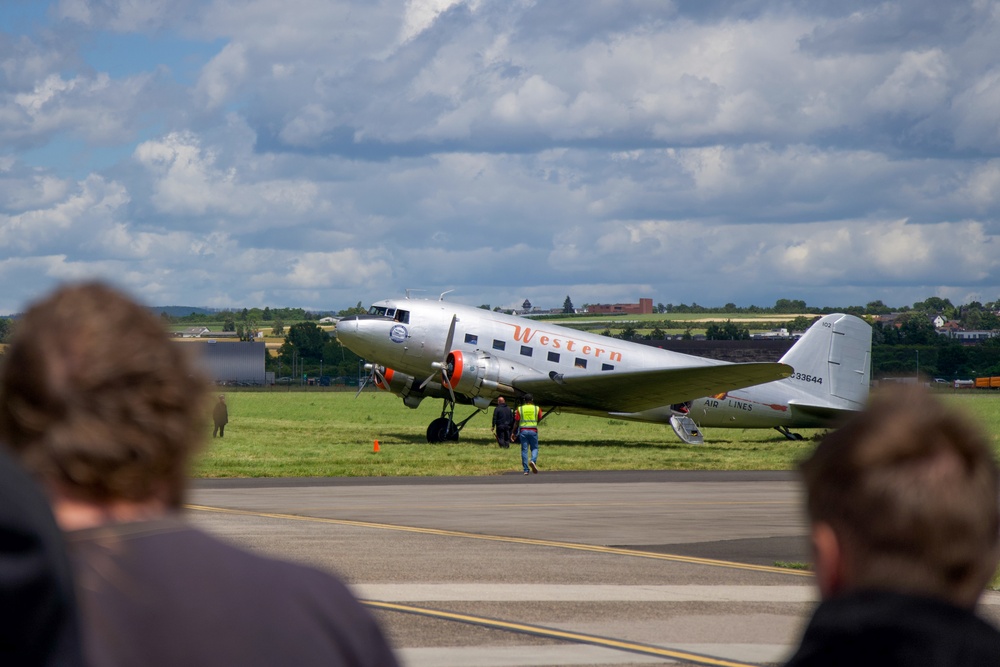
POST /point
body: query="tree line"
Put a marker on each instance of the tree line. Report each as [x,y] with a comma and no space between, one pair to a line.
[908,345]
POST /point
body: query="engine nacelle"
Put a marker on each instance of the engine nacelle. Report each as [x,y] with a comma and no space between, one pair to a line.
[383,377]
[401,385]
[408,387]
[479,375]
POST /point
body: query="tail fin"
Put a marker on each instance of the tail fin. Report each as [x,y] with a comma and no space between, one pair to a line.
[833,358]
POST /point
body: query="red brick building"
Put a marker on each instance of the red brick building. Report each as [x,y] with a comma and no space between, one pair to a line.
[644,307]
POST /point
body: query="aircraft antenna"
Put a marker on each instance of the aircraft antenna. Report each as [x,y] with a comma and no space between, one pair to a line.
[441,298]
[411,289]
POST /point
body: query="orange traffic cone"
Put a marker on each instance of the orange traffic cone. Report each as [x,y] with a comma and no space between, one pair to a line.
[376,446]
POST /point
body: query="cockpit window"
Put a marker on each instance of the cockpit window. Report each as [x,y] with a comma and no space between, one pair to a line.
[393,313]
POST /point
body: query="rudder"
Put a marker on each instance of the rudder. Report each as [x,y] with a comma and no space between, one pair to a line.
[833,358]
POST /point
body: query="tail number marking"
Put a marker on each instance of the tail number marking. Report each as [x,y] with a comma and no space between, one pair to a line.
[802,377]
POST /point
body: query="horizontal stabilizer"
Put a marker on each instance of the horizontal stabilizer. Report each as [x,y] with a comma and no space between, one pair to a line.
[830,415]
[644,390]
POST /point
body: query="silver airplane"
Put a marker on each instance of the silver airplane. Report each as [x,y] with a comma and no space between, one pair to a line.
[421,348]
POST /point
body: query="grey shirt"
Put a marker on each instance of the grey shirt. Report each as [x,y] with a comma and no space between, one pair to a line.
[163,593]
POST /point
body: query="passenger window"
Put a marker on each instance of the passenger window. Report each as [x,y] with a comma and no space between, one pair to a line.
[471,339]
[526,351]
[554,356]
[580,363]
[607,367]
[403,316]
[499,345]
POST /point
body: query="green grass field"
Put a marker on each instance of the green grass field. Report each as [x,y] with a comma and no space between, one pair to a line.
[324,434]
[672,324]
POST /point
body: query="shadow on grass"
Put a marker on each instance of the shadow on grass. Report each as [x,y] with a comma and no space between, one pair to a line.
[709,445]
[405,437]
[409,438]
[613,443]
[713,444]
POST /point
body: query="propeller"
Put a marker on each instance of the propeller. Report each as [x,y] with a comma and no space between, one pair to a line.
[376,375]
[443,365]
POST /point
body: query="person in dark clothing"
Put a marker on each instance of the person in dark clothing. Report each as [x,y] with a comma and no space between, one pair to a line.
[220,415]
[503,423]
[38,615]
[109,421]
[880,628]
[904,519]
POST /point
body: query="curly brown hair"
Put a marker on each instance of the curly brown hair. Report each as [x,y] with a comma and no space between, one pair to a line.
[96,399]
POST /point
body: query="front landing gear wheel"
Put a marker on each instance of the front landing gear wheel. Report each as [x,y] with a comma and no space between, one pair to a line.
[442,429]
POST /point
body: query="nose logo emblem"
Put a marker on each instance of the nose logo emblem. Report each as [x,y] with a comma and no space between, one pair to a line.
[397,334]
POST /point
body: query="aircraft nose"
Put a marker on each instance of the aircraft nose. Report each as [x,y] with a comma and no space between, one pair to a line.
[350,320]
[351,331]
[346,326]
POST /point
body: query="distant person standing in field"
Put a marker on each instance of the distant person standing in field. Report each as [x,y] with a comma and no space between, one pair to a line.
[220,415]
[902,503]
[107,412]
[503,423]
[527,417]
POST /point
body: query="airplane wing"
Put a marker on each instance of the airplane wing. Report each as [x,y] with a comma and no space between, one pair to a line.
[643,390]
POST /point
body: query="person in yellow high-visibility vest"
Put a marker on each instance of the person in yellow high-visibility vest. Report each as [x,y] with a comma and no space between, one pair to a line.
[527,417]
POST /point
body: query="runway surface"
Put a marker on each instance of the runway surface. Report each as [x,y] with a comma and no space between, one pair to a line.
[559,568]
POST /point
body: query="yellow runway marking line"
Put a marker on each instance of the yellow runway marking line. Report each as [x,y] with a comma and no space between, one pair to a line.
[575,637]
[536,505]
[509,540]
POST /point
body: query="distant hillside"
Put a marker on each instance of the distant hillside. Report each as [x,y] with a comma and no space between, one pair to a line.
[180,311]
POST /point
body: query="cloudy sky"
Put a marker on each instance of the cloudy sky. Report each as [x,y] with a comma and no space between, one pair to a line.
[316,153]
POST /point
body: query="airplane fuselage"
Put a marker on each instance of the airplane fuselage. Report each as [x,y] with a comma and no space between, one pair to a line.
[760,406]
[412,335]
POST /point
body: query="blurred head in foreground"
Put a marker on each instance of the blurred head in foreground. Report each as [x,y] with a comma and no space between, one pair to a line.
[104,408]
[904,498]
[97,402]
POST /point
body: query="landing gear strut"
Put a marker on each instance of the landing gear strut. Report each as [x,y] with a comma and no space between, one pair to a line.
[783,430]
[444,427]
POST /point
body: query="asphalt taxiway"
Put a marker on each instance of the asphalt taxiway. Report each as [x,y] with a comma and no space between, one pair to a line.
[559,568]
